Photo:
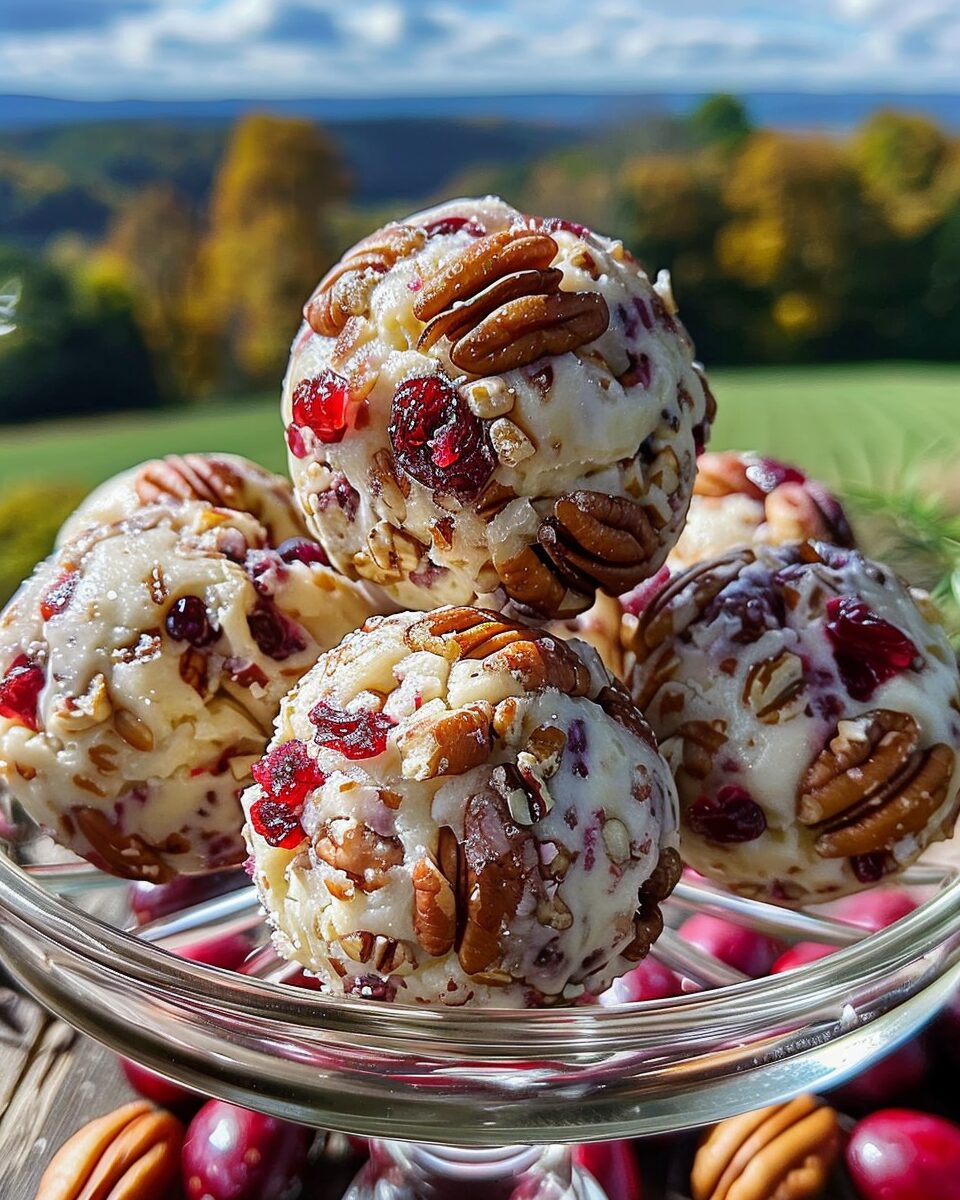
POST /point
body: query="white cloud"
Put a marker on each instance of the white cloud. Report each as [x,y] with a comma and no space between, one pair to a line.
[252,47]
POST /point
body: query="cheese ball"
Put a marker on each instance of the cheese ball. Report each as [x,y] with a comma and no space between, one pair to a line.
[808,704]
[141,667]
[223,480]
[458,809]
[742,498]
[482,403]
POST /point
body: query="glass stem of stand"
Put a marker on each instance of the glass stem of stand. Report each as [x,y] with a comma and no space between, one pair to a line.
[406,1171]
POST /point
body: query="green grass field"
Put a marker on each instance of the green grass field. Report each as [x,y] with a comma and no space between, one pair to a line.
[850,425]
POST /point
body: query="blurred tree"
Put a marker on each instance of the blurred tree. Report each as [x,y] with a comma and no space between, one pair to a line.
[30,515]
[75,347]
[152,246]
[721,122]
[905,159]
[267,246]
[805,239]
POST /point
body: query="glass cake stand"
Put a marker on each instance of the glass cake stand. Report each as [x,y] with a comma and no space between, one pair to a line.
[477,1102]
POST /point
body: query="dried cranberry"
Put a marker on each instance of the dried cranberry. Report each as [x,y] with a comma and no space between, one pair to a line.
[321,404]
[554,224]
[868,650]
[768,473]
[277,823]
[730,816]
[188,621]
[753,606]
[277,637]
[868,868]
[636,601]
[577,745]
[359,734]
[342,493]
[298,447]
[453,225]
[303,550]
[58,596]
[230,1153]
[437,439]
[20,690]
[371,987]
[831,510]
[288,773]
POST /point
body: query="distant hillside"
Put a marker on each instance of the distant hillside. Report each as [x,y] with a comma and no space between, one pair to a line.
[829,110]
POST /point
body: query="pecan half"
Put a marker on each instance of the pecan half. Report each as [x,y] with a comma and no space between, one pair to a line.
[501,867]
[435,911]
[872,785]
[593,539]
[365,856]
[684,598]
[454,322]
[529,328]
[529,580]
[446,745]
[538,660]
[784,1152]
[702,741]
[132,1153]
[344,292]
[189,477]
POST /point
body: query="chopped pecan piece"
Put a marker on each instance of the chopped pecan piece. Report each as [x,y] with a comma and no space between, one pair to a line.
[529,579]
[365,856]
[435,918]
[774,688]
[447,745]
[126,854]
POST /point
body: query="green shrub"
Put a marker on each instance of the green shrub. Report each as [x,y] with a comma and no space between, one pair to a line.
[30,515]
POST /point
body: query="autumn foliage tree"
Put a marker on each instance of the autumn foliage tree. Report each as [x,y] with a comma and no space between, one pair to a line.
[267,245]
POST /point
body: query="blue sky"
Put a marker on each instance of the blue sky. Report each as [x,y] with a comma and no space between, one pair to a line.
[235,48]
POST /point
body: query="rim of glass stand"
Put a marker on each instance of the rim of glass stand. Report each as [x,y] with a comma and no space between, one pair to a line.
[495,1034]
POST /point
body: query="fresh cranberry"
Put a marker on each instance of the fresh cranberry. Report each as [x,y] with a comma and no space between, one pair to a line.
[901,1154]
[897,1075]
[359,734]
[447,225]
[648,980]
[769,473]
[303,550]
[154,1087]
[20,690]
[228,952]
[150,901]
[276,636]
[729,817]
[57,597]
[750,952]
[799,955]
[438,440]
[868,650]
[321,404]
[613,1165]
[188,621]
[230,1153]
[875,909]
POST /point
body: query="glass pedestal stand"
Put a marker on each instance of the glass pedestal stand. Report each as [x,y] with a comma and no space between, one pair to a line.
[484,1084]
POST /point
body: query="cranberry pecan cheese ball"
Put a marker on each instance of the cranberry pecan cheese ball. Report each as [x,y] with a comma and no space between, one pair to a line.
[223,480]
[487,404]
[458,809]
[740,499]
[141,668]
[808,704]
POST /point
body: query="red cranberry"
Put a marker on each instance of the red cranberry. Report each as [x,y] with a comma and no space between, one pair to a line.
[613,1165]
[553,224]
[799,955]
[295,442]
[875,909]
[277,637]
[286,775]
[900,1154]
[453,225]
[359,734]
[20,690]
[149,901]
[729,817]
[231,1153]
[371,987]
[438,440]
[750,952]
[636,601]
[869,868]
[188,621]
[321,404]
[868,650]
[769,473]
[897,1075]
[58,596]
[229,952]
[303,550]
[649,980]
[154,1087]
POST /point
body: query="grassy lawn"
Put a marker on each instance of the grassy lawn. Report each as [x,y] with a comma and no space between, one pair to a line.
[860,424]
